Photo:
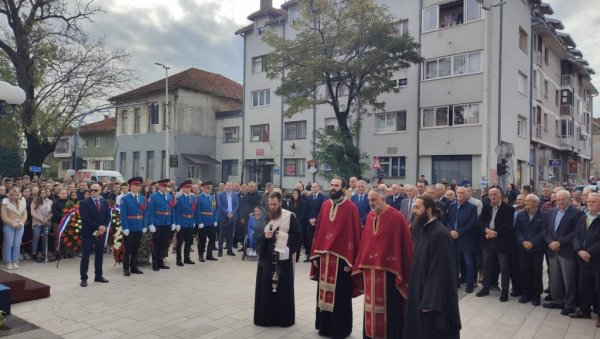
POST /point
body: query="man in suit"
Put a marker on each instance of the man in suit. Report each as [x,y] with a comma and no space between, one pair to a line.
[586,244]
[395,200]
[462,224]
[228,204]
[315,200]
[361,201]
[160,214]
[496,223]
[95,216]
[559,231]
[407,204]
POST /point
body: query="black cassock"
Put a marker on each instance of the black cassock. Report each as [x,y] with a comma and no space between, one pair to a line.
[275,308]
[433,287]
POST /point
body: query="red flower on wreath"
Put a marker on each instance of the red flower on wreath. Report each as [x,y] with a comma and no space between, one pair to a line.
[75,248]
[69,244]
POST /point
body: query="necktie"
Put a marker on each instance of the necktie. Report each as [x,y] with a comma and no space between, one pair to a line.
[456,220]
[315,198]
[360,199]
[97,204]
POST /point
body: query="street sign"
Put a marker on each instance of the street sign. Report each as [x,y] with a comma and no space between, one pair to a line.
[275,170]
[376,164]
[554,163]
[35,169]
[290,170]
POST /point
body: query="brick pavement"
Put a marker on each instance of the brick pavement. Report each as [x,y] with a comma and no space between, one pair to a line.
[215,300]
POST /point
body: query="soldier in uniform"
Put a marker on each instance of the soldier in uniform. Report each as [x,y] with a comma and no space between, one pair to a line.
[133,223]
[184,221]
[160,215]
[206,218]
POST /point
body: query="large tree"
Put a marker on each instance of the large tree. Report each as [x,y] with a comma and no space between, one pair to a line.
[62,71]
[344,55]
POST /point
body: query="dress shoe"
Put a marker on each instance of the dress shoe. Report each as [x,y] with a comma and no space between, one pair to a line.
[515,294]
[524,300]
[136,271]
[235,245]
[483,292]
[220,254]
[83,283]
[536,302]
[101,280]
[567,311]
[547,290]
[553,306]
[469,289]
[188,261]
[548,298]
[504,297]
[126,273]
[164,267]
[156,269]
[306,260]
[495,288]
[179,263]
[201,259]
[580,315]
[211,258]
[231,254]
[241,249]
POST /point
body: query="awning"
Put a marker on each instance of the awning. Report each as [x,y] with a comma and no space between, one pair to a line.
[201,159]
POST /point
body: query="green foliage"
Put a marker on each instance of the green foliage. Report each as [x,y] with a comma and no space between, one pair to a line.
[11,161]
[344,55]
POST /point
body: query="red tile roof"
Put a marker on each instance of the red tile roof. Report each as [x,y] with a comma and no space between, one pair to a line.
[105,125]
[193,78]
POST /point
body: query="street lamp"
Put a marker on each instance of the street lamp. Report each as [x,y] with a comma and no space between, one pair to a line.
[10,95]
[167,164]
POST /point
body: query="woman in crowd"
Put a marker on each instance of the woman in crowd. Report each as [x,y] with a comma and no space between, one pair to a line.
[41,212]
[14,216]
[60,203]
[105,192]
[296,205]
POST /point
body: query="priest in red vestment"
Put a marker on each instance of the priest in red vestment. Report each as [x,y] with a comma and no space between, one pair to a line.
[334,249]
[383,266]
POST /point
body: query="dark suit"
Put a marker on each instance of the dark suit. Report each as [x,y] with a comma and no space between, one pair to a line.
[362,205]
[587,238]
[226,226]
[497,249]
[463,219]
[91,219]
[530,260]
[562,263]
[395,202]
[314,207]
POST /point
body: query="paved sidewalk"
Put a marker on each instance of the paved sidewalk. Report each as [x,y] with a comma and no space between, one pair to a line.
[215,300]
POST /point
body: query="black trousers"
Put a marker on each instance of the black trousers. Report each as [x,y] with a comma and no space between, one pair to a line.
[240,231]
[132,247]
[589,285]
[226,231]
[310,234]
[160,239]
[491,255]
[531,267]
[209,232]
[185,234]
[86,249]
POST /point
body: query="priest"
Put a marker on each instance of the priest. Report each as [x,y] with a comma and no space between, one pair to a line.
[432,310]
[277,239]
[333,253]
[383,263]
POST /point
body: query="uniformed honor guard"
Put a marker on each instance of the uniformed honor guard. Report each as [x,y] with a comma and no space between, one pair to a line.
[185,220]
[160,215]
[133,223]
[206,218]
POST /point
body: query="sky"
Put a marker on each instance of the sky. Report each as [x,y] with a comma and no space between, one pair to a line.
[200,33]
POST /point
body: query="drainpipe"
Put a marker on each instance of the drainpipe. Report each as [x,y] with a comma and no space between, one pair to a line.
[419,69]
[243,127]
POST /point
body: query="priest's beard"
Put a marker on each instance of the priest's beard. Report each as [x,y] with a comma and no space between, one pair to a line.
[420,221]
[274,214]
[335,195]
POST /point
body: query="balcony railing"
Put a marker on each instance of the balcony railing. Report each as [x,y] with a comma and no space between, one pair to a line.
[538,130]
[566,110]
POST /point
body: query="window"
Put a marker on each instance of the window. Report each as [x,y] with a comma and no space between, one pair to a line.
[546,57]
[522,126]
[259,133]
[330,125]
[150,165]
[136,164]
[137,117]
[403,82]
[294,167]
[453,65]
[456,115]
[231,134]
[108,165]
[83,142]
[123,122]
[123,164]
[522,39]
[566,128]
[450,14]
[546,122]
[295,130]
[546,89]
[557,98]
[66,165]
[258,64]
[261,98]
[390,122]
[401,28]
[192,172]
[522,85]
[97,141]
[97,165]
[392,167]
[229,168]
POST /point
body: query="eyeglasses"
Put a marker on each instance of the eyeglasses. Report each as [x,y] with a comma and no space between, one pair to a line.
[95,190]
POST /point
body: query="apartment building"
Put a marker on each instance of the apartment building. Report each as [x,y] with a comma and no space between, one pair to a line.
[467,107]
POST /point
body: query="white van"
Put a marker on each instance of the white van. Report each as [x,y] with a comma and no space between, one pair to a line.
[98,176]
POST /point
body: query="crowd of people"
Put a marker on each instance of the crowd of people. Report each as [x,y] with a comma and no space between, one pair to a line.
[360,238]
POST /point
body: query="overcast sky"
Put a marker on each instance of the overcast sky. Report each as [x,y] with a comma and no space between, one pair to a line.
[200,33]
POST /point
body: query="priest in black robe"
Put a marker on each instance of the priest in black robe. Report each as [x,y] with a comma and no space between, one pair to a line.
[432,310]
[277,239]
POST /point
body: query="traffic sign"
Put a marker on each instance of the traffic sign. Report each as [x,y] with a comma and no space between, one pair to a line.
[554,163]
[290,170]
[35,169]
[275,170]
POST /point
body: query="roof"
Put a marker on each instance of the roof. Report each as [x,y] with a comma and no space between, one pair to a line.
[193,78]
[105,125]
[245,29]
[270,11]
[202,159]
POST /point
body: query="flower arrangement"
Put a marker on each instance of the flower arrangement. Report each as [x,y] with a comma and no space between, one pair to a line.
[71,236]
[118,247]
[114,225]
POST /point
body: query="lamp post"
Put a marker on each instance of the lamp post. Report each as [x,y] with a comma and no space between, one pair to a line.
[167,164]
[10,95]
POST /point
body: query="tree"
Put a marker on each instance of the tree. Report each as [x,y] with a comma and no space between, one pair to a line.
[344,55]
[60,69]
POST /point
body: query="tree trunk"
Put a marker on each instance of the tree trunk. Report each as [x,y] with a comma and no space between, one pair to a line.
[37,151]
[350,150]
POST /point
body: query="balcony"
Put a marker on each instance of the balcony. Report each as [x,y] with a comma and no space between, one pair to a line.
[566,110]
[566,80]
[566,141]
[539,58]
[538,130]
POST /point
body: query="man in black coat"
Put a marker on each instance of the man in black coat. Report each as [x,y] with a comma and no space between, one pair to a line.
[395,200]
[586,243]
[314,202]
[95,217]
[496,223]
[559,231]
